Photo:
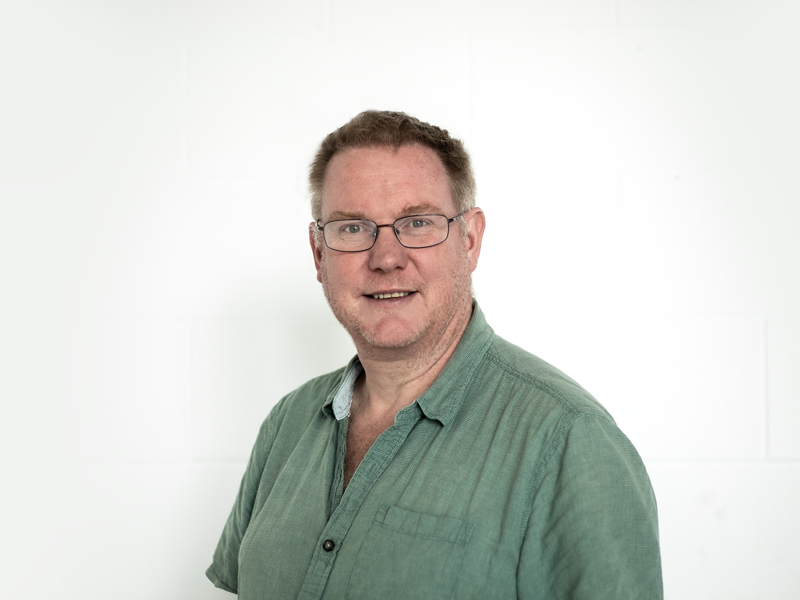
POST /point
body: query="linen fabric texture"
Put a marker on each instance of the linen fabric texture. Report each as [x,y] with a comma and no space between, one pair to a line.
[505,479]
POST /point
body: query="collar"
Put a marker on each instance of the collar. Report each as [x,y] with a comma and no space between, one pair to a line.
[338,402]
[344,395]
[442,400]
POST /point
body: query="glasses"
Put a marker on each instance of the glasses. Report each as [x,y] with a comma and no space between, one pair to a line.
[358,235]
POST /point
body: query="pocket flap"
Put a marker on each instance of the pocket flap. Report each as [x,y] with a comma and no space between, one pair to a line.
[446,529]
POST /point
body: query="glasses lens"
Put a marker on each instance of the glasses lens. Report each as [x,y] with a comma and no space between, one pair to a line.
[420,231]
[349,235]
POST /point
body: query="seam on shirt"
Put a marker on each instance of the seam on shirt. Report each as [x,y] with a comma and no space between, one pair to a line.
[559,438]
[474,361]
[574,412]
[424,536]
[559,435]
[270,427]
[228,587]
[271,434]
[540,383]
[273,423]
[274,420]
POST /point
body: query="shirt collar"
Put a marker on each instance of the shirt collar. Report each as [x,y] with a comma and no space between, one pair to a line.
[338,402]
[344,395]
[440,401]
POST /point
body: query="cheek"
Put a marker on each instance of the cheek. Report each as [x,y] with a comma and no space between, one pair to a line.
[454,261]
[340,271]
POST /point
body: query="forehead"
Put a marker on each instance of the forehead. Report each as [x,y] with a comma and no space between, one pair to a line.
[383,182]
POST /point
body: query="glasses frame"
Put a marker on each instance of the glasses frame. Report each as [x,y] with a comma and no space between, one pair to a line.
[392,225]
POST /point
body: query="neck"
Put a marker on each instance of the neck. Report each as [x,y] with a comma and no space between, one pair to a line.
[395,377]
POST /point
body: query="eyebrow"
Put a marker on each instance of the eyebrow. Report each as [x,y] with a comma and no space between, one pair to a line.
[411,209]
[421,209]
[344,214]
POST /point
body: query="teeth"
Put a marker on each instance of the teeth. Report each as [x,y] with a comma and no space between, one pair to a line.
[392,295]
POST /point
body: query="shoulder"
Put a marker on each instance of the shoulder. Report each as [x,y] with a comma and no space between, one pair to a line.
[524,378]
[291,416]
[297,408]
[286,425]
[564,424]
[312,395]
[552,419]
[575,436]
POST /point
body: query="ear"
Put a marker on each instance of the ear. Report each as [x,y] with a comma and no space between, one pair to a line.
[476,223]
[315,249]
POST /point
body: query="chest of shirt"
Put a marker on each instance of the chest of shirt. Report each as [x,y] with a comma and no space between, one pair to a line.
[447,504]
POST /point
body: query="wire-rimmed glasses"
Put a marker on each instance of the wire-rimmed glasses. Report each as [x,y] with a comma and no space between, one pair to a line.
[413,231]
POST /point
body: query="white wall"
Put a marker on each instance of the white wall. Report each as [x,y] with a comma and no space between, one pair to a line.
[637,162]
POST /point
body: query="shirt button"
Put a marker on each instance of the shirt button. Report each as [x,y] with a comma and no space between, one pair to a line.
[328,545]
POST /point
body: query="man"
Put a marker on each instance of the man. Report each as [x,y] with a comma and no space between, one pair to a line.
[442,462]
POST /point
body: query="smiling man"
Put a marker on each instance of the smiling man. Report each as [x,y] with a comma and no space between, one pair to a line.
[442,462]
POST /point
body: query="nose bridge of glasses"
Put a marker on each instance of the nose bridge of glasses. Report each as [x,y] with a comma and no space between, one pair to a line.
[394,229]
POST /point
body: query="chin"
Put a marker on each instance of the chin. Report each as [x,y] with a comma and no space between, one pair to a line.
[395,335]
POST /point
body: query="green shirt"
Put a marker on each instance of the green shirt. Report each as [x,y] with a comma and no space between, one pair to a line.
[505,479]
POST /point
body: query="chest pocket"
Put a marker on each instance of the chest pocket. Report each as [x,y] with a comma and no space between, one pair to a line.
[407,554]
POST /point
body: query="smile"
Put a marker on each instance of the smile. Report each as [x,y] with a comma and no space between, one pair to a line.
[390,295]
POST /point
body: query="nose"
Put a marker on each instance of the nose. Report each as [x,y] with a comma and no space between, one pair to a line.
[388,253]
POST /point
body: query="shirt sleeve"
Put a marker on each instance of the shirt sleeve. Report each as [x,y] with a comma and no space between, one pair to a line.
[593,527]
[224,570]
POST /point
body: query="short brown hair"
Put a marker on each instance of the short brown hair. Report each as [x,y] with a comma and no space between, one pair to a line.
[395,129]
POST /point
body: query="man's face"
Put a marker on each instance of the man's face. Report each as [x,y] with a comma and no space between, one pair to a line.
[383,184]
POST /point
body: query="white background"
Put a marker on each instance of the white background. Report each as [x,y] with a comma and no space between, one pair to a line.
[637,161]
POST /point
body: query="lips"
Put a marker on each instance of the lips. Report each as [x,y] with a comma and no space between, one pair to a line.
[385,295]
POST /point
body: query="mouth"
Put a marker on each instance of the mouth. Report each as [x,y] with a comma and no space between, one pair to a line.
[387,295]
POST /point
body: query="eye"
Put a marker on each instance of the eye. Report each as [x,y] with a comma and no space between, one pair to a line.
[352,228]
[415,223]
